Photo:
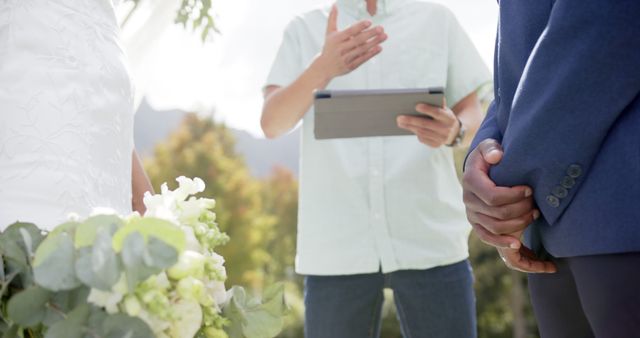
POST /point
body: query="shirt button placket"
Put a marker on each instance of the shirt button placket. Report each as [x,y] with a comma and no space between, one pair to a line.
[376,181]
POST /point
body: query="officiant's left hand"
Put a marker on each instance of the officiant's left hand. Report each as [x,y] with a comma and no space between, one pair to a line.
[438,127]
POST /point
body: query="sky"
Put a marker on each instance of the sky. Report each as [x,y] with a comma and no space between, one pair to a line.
[173,69]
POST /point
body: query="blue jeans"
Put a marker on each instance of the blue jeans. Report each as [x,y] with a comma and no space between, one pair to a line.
[432,303]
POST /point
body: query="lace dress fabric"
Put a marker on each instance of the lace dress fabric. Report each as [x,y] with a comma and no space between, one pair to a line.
[66,111]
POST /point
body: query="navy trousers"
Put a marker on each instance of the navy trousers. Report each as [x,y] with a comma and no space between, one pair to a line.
[589,296]
[432,303]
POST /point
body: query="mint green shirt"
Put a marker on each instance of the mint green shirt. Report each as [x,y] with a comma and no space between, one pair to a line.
[388,203]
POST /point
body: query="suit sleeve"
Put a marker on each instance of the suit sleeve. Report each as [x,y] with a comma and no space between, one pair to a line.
[489,128]
[579,79]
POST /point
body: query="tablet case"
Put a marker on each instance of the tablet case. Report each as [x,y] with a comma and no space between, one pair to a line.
[366,113]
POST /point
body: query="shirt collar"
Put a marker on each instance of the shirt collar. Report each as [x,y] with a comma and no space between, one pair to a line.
[358,8]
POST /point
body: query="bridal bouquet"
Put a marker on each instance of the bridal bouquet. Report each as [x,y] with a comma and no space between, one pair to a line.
[110,276]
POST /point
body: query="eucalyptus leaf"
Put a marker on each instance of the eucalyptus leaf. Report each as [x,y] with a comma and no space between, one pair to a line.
[73,326]
[26,235]
[16,263]
[54,264]
[68,227]
[161,254]
[159,228]
[2,275]
[64,301]
[98,266]
[96,319]
[121,326]
[136,260]
[252,317]
[13,247]
[87,231]
[83,266]
[12,332]
[273,299]
[28,307]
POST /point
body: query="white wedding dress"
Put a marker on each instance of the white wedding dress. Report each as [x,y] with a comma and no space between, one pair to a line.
[66,111]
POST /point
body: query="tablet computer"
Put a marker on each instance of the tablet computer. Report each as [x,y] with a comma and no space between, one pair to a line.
[366,113]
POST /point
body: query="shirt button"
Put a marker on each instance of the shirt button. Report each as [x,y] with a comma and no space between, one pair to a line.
[574,171]
[559,192]
[377,215]
[375,172]
[553,201]
[568,182]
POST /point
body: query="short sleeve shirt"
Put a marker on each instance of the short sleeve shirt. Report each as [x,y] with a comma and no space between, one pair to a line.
[382,203]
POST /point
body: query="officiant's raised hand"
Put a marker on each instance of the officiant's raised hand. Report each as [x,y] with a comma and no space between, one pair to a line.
[499,215]
[343,52]
[346,50]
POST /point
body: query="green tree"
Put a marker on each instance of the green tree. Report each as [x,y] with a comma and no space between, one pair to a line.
[503,306]
[202,148]
[260,216]
[280,196]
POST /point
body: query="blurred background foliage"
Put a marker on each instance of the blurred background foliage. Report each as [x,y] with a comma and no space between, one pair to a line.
[196,15]
[260,215]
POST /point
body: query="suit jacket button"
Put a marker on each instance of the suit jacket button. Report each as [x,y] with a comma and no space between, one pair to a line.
[568,182]
[574,171]
[559,192]
[553,201]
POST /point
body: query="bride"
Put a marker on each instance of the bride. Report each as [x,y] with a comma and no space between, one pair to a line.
[66,113]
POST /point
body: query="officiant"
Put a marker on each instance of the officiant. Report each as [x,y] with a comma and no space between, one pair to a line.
[381,212]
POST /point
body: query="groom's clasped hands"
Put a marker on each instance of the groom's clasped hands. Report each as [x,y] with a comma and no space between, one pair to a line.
[499,215]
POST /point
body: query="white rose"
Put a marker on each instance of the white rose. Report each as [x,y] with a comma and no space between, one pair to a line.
[188,319]
[105,299]
[188,187]
[218,292]
[190,263]
[157,325]
[192,242]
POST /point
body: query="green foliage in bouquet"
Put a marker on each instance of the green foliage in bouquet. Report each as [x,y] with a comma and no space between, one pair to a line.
[29,309]
[111,276]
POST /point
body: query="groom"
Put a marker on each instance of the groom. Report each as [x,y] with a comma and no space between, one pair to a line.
[561,144]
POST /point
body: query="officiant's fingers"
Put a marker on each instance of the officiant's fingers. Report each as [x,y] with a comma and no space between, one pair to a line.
[498,241]
[431,137]
[524,260]
[423,126]
[375,35]
[359,60]
[332,23]
[405,121]
[504,212]
[436,113]
[370,45]
[354,29]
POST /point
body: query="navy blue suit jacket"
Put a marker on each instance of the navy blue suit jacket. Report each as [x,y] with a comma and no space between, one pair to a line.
[567,113]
